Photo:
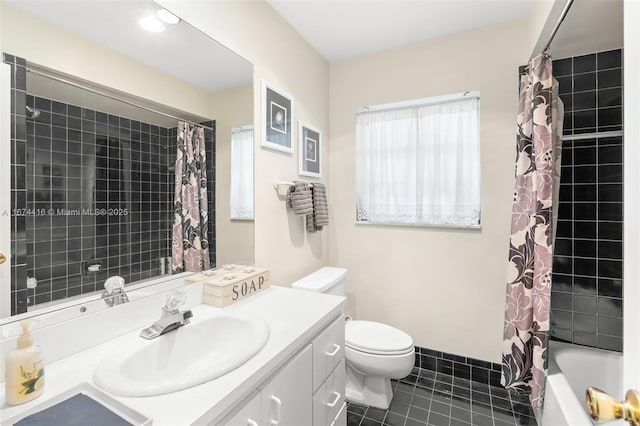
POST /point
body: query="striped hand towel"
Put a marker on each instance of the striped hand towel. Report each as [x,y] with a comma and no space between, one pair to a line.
[320,216]
[299,198]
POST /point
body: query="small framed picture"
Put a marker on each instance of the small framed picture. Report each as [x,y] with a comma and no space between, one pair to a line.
[310,151]
[277,119]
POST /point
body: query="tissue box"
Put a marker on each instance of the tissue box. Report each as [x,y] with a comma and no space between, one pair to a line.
[230,286]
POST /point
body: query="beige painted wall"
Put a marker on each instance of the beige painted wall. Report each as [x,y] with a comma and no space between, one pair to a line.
[444,286]
[234,238]
[282,57]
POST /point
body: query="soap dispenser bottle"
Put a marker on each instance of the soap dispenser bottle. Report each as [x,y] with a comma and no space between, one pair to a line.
[24,369]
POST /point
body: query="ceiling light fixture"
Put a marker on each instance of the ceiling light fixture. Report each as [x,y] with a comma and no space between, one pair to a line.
[167,17]
[151,23]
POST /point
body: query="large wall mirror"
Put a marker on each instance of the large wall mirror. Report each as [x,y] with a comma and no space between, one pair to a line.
[93,101]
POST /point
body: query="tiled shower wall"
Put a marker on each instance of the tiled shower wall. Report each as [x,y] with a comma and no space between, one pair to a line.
[209,135]
[18,183]
[586,298]
[98,185]
[90,189]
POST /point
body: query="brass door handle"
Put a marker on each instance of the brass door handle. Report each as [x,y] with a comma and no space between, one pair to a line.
[604,408]
[3,258]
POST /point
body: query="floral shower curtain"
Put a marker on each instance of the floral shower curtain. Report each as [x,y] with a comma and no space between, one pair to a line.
[190,247]
[526,323]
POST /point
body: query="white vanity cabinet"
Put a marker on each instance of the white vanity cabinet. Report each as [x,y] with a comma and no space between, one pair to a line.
[295,380]
[307,391]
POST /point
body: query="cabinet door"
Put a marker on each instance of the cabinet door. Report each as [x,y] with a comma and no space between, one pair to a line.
[286,399]
[248,415]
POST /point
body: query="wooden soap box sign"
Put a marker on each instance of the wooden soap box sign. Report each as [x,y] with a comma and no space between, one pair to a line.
[229,287]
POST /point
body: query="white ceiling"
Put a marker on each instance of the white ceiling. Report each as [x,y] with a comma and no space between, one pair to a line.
[345,29]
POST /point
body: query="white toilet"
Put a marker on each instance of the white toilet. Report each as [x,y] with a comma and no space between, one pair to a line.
[375,352]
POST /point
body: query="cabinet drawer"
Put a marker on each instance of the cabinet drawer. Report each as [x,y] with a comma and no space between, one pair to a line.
[328,351]
[329,399]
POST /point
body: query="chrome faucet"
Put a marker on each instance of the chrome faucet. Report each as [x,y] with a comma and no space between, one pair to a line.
[114,293]
[171,318]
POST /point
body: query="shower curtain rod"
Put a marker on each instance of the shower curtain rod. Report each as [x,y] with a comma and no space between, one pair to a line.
[113,97]
[556,27]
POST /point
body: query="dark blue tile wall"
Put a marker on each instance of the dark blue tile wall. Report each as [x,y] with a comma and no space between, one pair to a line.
[586,297]
[89,188]
[18,183]
[103,186]
[209,137]
[462,367]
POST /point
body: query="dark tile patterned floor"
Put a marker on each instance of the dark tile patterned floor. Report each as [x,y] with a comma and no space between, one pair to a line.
[429,398]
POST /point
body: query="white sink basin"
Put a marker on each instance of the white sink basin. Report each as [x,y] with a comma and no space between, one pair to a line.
[191,355]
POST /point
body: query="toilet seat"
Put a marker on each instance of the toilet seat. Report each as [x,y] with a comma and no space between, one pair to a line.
[377,338]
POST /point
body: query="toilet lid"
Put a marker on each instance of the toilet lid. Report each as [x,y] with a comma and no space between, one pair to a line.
[377,338]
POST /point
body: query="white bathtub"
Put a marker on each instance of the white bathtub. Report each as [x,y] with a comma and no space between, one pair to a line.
[572,369]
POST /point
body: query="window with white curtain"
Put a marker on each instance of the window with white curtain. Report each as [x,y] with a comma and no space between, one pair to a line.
[418,162]
[242,173]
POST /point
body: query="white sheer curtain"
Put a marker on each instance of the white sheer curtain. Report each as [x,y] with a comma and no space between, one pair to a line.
[420,164]
[242,173]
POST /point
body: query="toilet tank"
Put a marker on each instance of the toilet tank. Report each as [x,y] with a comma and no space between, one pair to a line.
[328,280]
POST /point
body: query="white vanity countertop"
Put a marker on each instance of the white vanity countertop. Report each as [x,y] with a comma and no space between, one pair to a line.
[293,316]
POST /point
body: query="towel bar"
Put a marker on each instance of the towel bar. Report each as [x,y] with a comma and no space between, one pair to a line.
[277,183]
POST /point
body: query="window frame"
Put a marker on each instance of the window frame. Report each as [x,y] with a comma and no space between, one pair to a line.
[233,146]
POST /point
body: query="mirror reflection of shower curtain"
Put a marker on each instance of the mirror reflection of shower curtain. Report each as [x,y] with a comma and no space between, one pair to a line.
[190,247]
[526,320]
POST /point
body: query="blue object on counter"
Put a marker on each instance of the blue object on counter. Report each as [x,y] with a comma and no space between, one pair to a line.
[79,410]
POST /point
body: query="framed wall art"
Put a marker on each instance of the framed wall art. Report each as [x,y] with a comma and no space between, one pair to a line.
[277,119]
[310,151]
